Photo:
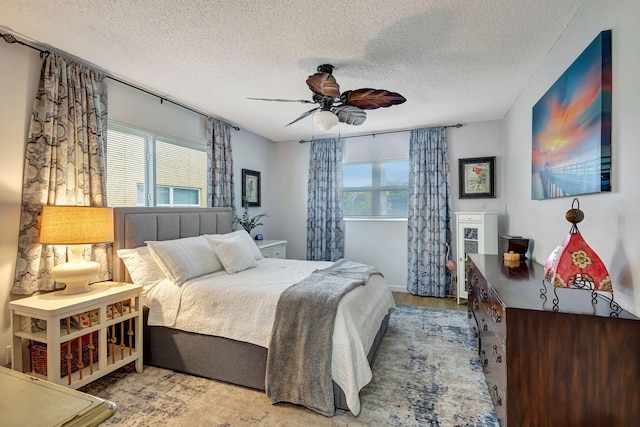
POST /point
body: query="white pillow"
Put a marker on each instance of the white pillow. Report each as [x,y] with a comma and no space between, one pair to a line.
[245,238]
[184,259]
[233,254]
[142,268]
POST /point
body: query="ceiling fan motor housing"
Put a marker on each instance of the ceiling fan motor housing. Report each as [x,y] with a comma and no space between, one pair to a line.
[325,68]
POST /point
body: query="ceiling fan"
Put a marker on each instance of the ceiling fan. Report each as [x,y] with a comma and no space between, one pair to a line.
[333,107]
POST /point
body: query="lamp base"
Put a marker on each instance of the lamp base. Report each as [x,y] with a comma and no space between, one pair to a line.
[72,288]
[75,274]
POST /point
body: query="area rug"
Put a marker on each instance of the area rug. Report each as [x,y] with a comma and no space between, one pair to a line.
[426,373]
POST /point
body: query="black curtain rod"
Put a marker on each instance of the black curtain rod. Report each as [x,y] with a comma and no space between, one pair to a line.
[457,125]
[10,38]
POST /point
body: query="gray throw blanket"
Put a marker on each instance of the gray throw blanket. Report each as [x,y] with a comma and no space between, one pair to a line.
[300,351]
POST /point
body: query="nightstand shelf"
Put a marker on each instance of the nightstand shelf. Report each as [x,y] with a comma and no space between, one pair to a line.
[273,248]
[88,334]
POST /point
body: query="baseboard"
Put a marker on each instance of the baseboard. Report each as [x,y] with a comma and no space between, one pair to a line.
[396,288]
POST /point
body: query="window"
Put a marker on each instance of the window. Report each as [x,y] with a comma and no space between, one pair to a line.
[171,196]
[144,169]
[376,189]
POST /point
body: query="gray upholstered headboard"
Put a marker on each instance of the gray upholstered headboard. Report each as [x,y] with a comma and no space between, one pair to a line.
[135,225]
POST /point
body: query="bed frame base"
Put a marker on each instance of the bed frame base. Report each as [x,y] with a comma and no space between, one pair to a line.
[219,358]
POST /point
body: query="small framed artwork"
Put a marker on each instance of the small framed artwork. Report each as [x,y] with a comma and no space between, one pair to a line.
[251,187]
[476,177]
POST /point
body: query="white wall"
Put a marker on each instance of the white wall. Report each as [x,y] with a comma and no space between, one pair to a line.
[256,153]
[611,223]
[380,243]
[18,86]
[290,211]
[143,111]
[479,139]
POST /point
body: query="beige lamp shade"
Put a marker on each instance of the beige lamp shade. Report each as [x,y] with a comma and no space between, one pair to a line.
[76,225]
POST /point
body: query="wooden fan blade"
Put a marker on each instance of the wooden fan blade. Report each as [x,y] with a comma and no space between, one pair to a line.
[324,84]
[304,101]
[350,114]
[304,115]
[370,99]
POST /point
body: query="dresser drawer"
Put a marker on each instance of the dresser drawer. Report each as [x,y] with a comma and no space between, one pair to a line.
[471,217]
[496,314]
[473,324]
[494,361]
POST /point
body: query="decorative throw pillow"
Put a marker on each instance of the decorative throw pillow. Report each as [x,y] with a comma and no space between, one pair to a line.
[251,244]
[142,268]
[233,253]
[184,259]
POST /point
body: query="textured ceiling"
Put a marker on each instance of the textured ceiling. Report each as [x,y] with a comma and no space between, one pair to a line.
[454,60]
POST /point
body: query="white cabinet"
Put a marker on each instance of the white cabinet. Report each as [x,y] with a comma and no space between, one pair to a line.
[273,248]
[72,340]
[476,233]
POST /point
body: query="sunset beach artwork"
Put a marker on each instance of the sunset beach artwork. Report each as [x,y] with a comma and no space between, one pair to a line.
[571,149]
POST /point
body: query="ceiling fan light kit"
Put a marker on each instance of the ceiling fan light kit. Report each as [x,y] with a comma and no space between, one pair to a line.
[333,107]
[325,120]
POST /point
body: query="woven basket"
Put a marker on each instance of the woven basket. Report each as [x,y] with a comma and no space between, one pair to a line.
[39,355]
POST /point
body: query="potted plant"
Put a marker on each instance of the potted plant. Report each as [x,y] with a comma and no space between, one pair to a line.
[247,222]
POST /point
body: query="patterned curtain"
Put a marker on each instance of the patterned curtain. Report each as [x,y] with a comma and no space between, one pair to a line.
[64,165]
[219,165]
[325,227]
[429,224]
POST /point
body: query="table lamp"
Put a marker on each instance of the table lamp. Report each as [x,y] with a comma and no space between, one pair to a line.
[575,265]
[76,226]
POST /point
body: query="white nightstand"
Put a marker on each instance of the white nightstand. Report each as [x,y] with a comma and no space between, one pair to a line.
[49,335]
[273,248]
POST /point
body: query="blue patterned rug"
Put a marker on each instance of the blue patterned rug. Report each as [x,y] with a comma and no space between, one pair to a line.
[426,373]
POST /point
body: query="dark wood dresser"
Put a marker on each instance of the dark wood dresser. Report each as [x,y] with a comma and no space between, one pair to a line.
[574,367]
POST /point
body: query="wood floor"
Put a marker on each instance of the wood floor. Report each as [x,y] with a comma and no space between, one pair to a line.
[443,303]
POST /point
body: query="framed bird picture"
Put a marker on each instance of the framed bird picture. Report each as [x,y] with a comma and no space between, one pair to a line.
[476,177]
[250,188]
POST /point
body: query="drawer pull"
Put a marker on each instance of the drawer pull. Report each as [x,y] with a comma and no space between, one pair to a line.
[495,396]
[484,325]
[496,355]
[495,315]
[476,305]
[483,358]
[483,294]
[475,331]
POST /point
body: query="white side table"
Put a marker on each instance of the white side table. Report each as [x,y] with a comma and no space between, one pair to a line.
[110,337]
[273,248]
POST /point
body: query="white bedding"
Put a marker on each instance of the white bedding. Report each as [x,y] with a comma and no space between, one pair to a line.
[242,307]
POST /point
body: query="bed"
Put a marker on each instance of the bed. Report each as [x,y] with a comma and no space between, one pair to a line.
[234,359]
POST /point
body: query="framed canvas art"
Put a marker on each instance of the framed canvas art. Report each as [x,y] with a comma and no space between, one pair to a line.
[571,139]
[250,187]
[476,177]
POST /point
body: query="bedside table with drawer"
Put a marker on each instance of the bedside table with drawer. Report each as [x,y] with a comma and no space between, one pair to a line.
[273,248]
